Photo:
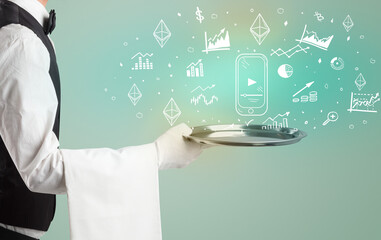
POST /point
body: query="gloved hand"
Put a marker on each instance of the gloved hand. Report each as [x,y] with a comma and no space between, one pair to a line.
[174,151]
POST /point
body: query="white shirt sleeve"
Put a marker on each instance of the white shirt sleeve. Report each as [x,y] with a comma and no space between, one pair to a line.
[112,194]
[28,106]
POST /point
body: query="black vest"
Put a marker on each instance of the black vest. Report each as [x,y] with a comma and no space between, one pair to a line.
[18,205]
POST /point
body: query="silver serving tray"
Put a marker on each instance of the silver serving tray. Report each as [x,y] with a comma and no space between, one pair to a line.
[243,135]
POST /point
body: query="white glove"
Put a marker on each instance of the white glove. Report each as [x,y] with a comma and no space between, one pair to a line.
[174,151]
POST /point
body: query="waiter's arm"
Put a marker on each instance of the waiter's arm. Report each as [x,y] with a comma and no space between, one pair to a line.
[28,106]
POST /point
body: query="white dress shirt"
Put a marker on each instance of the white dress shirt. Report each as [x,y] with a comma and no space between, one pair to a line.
[15,39]
[112,194]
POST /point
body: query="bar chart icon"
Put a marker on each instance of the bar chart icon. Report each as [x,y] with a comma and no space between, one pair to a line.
[280,121]
[196,69]
[142,61]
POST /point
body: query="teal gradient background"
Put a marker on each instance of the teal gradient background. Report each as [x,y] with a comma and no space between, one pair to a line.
[325,187]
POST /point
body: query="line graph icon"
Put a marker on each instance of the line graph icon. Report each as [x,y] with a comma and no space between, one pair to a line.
[219,42]
[143,61]
[312,38]
[162,33]
[203,95]
[195,69]
[363,102]
[279,121]
[203,89]
[289,53]
[196,100]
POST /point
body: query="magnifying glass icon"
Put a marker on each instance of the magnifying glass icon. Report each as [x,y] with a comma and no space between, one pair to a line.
[331,117]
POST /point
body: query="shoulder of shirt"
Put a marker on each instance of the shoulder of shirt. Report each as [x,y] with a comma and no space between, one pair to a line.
[18,32]
[17,40]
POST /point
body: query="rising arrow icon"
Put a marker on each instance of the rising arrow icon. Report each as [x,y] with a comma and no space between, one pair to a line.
[307,86]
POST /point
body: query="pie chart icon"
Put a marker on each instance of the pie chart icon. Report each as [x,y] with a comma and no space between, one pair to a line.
[337,63]
[285,71]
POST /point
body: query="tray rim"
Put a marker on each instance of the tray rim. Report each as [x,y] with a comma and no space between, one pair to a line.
[200,140]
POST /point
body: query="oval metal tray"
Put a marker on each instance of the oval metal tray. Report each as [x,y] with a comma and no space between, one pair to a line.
[243,135]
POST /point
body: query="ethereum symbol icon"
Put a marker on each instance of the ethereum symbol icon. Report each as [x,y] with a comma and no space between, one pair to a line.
[260,29]
[360,82]
[162,33]
[348,23]
[134,94]
[171,112]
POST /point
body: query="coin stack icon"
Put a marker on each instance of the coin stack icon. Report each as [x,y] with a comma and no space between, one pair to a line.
[304,98]
[313,96]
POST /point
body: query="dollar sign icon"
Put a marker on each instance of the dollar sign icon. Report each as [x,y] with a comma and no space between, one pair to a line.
[199,17]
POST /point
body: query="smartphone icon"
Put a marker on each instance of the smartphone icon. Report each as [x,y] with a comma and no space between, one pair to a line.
[251,84]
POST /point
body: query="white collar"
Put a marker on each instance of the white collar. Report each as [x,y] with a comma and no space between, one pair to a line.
[34,8]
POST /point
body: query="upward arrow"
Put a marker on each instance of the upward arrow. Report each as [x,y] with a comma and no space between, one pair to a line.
[307,86]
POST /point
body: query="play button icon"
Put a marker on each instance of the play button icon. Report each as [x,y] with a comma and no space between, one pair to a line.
[250,82]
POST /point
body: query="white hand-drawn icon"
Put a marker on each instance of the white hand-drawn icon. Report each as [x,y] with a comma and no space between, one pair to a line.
[319,17]
[199,17]
[291,52]
[280,10]
[331,117]
[199,88]
[171,112]
[190,49]
[313,97]
[200,93]
[274,123]
[260,29]
[162,33]
[218,42]
[337,63]
[308,85]
[134,94]
[195,69]
[251,84]
[285,71]
[360,82]
[196,100]
[363,102]
[348,23]
[312,38]
[142,62]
